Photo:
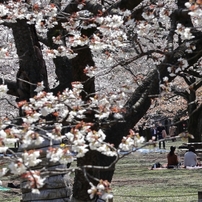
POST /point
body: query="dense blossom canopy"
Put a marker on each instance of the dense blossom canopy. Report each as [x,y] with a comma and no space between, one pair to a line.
[124,47]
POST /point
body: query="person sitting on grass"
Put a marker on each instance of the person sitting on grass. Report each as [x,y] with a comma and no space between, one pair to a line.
[172,158]
[190,158]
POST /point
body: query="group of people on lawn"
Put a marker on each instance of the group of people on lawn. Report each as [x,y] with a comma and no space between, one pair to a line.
[190,158]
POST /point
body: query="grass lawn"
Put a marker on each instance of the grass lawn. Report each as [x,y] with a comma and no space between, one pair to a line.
[11,195]
[134,182]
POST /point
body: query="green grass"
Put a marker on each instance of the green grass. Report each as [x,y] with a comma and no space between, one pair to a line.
[9,196]
[133,181]
[12,195]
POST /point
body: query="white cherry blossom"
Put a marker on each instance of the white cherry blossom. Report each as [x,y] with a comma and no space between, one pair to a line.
[17,167]
[3,10]
[31,158]
[127,144]
[3,90]
[3,149]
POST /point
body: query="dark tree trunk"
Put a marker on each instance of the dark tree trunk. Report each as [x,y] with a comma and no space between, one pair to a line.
[63,70]
[83,59]
[139,103]
[79,192]
[32,66]
[33,70]
[63,66]
[81,185]
[195,125]
[68,71]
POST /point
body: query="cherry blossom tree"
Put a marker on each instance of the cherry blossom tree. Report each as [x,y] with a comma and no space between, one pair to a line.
[112,61]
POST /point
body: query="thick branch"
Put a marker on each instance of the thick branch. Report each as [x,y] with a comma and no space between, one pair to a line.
[140,102]
[183,94]
[180,15]
[89,5]
[125,4]
[97,8]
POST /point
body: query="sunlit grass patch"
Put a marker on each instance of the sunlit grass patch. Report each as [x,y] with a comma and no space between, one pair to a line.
[133,181]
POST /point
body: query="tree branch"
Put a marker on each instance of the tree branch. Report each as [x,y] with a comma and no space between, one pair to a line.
[183,94]
[98,8]
[12,86]
[89,5]
[125,4]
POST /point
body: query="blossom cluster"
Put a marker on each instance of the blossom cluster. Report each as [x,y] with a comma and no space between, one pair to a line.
[81,138]
[195,12]
[34,179]
[38,12]
[180,67]
[132,140]
[184,32]
[3,90]
[61,51]
[102,189]
[69,106]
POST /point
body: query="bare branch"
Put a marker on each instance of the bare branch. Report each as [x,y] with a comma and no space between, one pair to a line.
[9,102]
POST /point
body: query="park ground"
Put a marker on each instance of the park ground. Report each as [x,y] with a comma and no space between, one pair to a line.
[133,180]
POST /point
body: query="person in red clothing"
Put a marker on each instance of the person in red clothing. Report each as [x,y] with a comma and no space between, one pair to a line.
[172,158]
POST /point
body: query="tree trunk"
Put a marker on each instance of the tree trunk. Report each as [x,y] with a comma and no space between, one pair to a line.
[81,184]
[83,59]
[56,186]
[194,122]
[32,66]
[195,125]
[33,70]
[63,66]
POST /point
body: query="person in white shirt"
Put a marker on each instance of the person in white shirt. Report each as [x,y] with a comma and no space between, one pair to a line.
[190,158]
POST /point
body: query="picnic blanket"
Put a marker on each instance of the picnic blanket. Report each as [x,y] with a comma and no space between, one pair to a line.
[181,167]
[145,151]
[4,188]
[195,167]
